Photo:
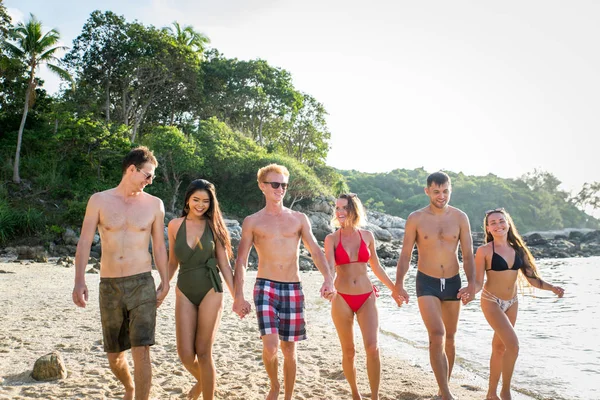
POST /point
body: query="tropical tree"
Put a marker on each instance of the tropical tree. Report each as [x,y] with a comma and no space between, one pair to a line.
[33,48]
[187,36]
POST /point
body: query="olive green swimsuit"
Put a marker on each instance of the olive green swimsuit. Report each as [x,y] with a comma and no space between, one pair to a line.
[198,272]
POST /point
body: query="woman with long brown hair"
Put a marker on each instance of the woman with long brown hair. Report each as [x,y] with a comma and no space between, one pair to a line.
[350,249]
[500,259]
[199,244]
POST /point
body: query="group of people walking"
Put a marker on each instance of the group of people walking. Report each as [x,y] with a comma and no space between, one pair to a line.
[200,247]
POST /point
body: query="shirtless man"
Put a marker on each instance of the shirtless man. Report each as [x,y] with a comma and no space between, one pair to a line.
[276,231]
[437,229]
[126,218]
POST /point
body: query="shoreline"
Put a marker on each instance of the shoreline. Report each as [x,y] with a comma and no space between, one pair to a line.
[42,319]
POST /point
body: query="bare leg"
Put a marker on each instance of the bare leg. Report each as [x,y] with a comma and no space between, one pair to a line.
[368,320]
[450,313]
[119,367]
[186,317]
[270,345]
[209,318]
[142,372]
[502,324]
[431,312]
[343,318]
[289,368]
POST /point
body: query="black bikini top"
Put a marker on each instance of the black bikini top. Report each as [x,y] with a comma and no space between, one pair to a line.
[500,264]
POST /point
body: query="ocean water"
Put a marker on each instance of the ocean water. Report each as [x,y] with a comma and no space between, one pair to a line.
[559,355]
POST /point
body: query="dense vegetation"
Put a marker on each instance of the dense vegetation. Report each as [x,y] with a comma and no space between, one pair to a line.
[534,201]
[203,114]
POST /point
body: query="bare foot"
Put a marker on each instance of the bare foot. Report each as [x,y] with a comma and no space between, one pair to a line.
[357,396]
[492,396]
[449,397]
[505,395]
[129,394]
[195,392]
[273,393]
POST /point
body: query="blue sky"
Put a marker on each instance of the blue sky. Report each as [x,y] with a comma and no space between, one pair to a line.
[478,87]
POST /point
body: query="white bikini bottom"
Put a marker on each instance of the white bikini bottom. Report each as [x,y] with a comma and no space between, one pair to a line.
[504,304]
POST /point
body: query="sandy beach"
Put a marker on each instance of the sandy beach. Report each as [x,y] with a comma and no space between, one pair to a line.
[39,317]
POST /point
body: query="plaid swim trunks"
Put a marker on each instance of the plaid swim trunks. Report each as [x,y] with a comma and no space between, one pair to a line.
[280,309]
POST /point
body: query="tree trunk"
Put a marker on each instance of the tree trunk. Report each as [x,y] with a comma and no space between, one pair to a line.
[175,195]
[107,105]
[16,177]
[138,120]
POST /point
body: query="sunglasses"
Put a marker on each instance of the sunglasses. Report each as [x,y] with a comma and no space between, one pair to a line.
[275,185]
[495,210]
[147,176]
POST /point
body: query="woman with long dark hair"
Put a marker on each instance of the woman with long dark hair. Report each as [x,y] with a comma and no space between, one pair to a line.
[200,246]
[501,258]
[351,249]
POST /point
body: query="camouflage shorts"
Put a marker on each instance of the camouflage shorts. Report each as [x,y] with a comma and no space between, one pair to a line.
[128,311]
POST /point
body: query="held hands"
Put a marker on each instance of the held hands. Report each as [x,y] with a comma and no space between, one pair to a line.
[161,293]
[327,289]
[400,295]
[557,290]
[241,307]
[466,294]
[80,295]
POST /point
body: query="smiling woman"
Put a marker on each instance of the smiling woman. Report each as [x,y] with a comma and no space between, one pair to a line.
[501,258]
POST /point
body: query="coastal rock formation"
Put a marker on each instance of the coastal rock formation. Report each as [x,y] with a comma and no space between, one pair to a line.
[49,368]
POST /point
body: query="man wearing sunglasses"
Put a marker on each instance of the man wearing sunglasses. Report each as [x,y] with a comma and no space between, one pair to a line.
[437,229]
[126,219]
[275,232]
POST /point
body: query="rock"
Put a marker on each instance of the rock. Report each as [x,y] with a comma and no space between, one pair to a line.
[91,271]
[41,258]
[49,368]
[32,253]
[575,235]
[385,221]
[380,234]
[535,239]
[593,236]
[70,237]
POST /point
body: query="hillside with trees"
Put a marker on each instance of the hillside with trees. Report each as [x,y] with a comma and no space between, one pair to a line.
[204,115]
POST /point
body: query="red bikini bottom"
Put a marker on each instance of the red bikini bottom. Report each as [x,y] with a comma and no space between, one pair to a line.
[356,301]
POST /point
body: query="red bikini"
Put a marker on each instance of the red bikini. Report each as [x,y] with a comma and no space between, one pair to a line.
[354,301]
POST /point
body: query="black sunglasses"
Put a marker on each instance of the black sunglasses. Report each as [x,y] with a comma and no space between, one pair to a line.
[498,210]
[275,185]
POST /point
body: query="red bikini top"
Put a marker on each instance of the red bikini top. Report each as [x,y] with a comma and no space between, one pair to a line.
[342,257]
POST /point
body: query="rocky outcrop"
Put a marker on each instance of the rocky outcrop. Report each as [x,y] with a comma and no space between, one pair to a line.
[49,368]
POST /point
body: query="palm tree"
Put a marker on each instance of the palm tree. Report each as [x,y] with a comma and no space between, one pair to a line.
[33,48]
[187,36]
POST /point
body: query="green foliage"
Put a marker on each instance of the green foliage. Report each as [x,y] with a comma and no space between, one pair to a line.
[15,222]
[534,201]
[178,159]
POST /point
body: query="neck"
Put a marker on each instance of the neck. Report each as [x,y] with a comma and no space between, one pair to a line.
[347,229]
[127,191]
[191,217]
[500,240]
[437,211]
[274,208]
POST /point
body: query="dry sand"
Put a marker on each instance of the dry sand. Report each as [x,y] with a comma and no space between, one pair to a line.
[38,317]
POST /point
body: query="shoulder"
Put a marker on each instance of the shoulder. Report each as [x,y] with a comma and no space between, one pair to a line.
[367,234]
[415,217]
[153,199]
[299,216]
[251,219]
[458,213]
[175,222]
[485,249]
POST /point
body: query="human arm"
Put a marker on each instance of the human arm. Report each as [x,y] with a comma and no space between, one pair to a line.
[466,294]
[536,281]
[408,243]
[173,263]
[481,257]
[380,272]
[310,242]
[240,306]
[159,252]
[225,267]
[82,254]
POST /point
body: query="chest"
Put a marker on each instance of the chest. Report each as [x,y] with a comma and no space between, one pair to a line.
[118,216]
[278,228]
[443,230]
